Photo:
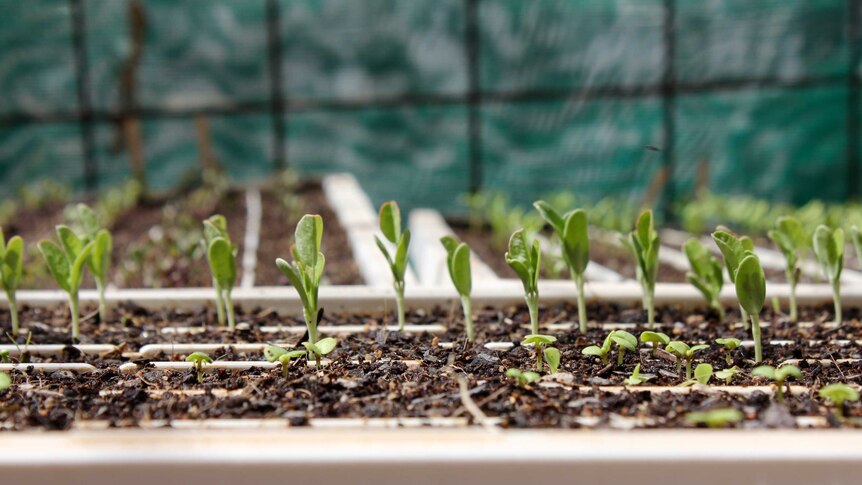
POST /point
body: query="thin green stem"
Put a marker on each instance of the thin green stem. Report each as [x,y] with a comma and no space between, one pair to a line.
[688,368]
[755,335]
[836,298]
[310,315]
[468,318]
[229,309]
[718,308]
[779,391]
[621,355]
[744,315]
[13,312]
[73,307]
[539,354]
[582,304]
[533,307]
[794,313]
[399,303]
[650,303]
[103,306]
[727,357]
[219,302]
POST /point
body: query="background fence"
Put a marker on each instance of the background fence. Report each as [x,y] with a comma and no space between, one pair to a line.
[427,99]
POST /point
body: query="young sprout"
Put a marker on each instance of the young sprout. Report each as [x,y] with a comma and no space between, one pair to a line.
[644,243]
[221,255]
[458,263]
[572,229]
[727,374]
[656,338]
[734,251]
[829,249]
[275,353]
[751,293]
[706,274]
[320,348]
[729,344]
[305,271]
[778,375]
[601,352]
[625,341]
[390,226]
[5,381]
[522,378]
[100,257]
[67,267]
[11,267]
[716,418]
[684,352]
[199,359]
[539,342]
[838,394]
[524,258]
[790,238]
[637,378]
[702,375]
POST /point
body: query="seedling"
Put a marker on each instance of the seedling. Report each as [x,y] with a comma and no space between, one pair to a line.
[624,341]
[572,229]
[221,254]
[684,352]
[100,258]
[637,378]
[320,348]
[734,251]
[525,258]
[838,394]
[275,353]
[729,344]
[657,338]
[199,359]
[67,267]
[11,268]
[727,374]
[522,378]
[778,375]
[390,226]
[706,274]
[829,249]
[644,243]
[751,293]
[4,357]
[790,238]
[539,342]
[702,375]
[716,418]
[601,352]
[458,263]
[305,271]
[5,381]
[553,358]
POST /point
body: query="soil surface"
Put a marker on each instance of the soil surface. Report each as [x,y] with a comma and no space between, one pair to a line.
[369,378]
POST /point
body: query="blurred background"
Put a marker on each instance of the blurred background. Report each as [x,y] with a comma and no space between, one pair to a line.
[425,100]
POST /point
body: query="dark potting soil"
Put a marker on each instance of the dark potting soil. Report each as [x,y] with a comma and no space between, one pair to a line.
[367,377]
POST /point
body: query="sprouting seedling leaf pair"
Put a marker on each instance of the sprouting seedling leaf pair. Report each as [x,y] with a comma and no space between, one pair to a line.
[749,280]
[706,274]
[838,394]
[551,354]
[778,375]
[622,339]
[522,378]
[525,260]
[458,264]
[829,249]
[390,226]
[702,374]
[573,231]
[320,348]
[729,344]
[221,255]
[656,338]
[727,374]
[716,418]
[644,243]
[199,359]
[684,352]
[789,236]
[306,269]
[274,353]
[637,378]
[11,269]
[100,257]
[67,267]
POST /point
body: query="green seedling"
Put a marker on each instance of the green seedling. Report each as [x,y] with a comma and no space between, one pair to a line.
[320,348]
[539,343]
[644,243]
[751,293]
[601,352]
[5,381]
[67,267]
[525,259]
[572,229]
[829,249]
[624,341]
[100,258]
[729,344]
[390,226]
[706,274]
[11,268]
[458,263]
[778,375]
[702,374]
[734,251]
[656,338]
[4,357]
[221,255]
[727,374]
[838,394]
[716,418]
[522,378]
[684,352]
[637,378]
[274,353]
[305,271]
[789,236]
[199,359]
